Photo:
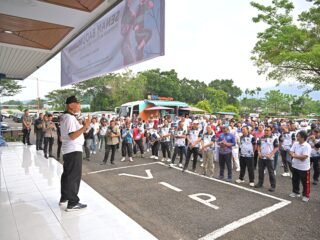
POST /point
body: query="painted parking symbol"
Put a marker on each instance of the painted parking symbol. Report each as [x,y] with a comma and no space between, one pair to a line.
[158,193]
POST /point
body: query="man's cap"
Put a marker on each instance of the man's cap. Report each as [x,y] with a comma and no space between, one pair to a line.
[72,99]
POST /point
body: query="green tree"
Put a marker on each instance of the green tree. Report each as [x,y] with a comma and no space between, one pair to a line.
[57,98]
[230,108]
[13,102]
[204,105]
[9,87]
[217,98]
[288,48]
[275,99]
[227,85]
[164,83]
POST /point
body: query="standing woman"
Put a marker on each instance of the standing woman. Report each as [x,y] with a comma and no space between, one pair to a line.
[127,141]
[154,141]
[300,153]
[49,129]
[112,140]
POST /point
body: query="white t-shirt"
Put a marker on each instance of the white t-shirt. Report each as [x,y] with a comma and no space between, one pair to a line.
[69,124]
[301,149]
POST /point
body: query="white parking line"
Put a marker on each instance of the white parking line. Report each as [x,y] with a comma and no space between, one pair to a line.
[227,183]
[111,169]
[229,227]
[170,186]
[238,223]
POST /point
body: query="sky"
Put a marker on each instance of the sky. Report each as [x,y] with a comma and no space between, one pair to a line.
[204,40]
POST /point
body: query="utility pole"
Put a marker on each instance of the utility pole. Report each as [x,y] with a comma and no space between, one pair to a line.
[38,95]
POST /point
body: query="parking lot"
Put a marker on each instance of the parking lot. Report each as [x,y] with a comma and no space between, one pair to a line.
[175,205]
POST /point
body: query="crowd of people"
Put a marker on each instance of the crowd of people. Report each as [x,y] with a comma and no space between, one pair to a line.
[245,145]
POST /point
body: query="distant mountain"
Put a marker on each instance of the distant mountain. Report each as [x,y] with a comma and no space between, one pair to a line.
[292,88]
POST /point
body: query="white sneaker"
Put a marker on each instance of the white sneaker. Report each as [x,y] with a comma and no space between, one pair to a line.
[148,150]
[94,152]
[294,195]
[152,156]
[180,165]
[130,159]
[168,160]
[251,184]
[156,158]
[238,170]
[239,181]
[275,172]
[286,174]
[202,165]
[171,165]
[201,160]
[305,199]
[163,160]
[123,159]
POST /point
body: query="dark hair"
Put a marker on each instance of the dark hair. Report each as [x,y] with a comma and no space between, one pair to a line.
[268,126]
[246,127]
[303,134]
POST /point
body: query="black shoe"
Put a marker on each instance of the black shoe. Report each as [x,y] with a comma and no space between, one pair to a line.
[40,148]
[46,156]
[103,163]
[112,163]
[29,144]
[51,156]
[272,189]
[184,169]
[315,183]
[258,186]
[77,207]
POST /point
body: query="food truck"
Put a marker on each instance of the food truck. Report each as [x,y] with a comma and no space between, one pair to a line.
[154,105]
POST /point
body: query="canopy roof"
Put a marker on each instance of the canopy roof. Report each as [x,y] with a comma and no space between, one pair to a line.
[156,108]
[33,31]
[168,103]
[193,109]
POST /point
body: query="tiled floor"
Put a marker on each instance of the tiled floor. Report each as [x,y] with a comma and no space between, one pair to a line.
[29,194]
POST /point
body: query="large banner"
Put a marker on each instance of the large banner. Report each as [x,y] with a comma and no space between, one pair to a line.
[130,33]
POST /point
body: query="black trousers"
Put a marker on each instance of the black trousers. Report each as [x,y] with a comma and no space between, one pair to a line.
[107,151]
[59,148]
[26,136]
[315,162]
[247,162]
[71,177]
[255,157]
[155,148]
[48,141]
[181,150]
[193,151]
[304,177]
[139,143]
[126,148]
[39,139]
[225,159]
[284,156]
[165,148]
[266,163]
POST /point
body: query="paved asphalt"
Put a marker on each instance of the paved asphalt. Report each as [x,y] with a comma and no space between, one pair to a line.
[169,214]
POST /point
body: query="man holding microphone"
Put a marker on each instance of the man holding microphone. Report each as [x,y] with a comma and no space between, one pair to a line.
[72,142]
